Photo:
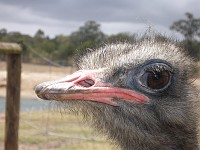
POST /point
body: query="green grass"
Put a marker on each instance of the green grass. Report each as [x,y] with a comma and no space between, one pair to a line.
[51,130]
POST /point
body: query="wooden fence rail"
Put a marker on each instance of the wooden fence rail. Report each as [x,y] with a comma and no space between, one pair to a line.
[13,52]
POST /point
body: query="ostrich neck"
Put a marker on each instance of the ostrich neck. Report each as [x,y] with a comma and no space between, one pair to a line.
[132,134]
[169,138]
[176,140]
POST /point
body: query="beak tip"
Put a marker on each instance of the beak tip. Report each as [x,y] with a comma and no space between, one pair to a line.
[38,88]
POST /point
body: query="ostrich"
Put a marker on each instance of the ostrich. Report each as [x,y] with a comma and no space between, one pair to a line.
[138,94]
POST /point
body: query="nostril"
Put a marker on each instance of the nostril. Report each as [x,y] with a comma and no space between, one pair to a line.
[86,83]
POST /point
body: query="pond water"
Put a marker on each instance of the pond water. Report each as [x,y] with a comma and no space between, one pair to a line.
[28,104]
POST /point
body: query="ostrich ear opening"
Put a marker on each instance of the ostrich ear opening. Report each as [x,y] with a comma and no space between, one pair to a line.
[84,85]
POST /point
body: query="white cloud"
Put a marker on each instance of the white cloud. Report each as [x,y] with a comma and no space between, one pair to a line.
[27,21]
[66,16]
[115,27]
[10,13]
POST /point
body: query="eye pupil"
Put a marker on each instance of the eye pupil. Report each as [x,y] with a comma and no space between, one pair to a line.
[158,80]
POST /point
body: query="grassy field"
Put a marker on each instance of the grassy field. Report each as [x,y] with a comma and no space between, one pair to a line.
[56,131]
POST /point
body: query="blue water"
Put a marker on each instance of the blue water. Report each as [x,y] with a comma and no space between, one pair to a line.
[30,104]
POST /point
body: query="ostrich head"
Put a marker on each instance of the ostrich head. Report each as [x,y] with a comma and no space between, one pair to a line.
[138,94]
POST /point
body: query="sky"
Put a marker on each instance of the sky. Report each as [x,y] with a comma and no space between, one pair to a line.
[56,17]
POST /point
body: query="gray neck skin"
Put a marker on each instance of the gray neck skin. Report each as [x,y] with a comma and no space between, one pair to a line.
[180,140]
[143,132]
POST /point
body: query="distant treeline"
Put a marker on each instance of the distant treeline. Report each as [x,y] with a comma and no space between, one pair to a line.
[64,48]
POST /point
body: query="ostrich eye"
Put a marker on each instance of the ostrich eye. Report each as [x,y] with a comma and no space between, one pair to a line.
[153,77]
[157,79]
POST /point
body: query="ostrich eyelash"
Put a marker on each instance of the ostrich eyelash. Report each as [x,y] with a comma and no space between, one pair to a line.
[158,68]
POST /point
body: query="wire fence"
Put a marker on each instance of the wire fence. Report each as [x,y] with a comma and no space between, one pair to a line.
[43,124]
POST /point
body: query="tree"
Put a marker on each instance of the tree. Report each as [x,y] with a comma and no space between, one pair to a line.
[190,29]
[39,34]
[89,32]
[64,49]
[121,37]
[88,36]
[3,32]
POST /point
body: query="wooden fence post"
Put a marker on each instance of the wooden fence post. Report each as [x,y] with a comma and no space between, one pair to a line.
[13,52]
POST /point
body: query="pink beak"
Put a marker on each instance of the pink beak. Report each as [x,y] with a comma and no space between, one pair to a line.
[83,85]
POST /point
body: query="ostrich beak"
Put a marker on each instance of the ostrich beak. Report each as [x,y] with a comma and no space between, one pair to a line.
[83,85]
